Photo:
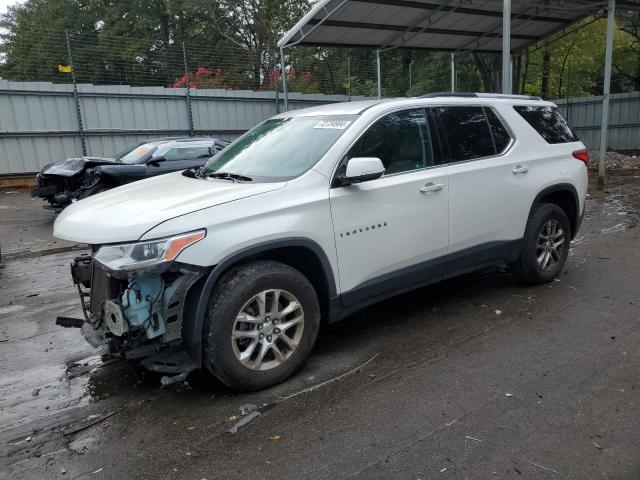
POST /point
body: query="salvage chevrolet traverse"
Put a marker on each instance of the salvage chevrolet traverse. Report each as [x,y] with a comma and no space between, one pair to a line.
[314,214]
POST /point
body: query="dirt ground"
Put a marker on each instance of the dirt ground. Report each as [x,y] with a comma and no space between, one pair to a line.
[474,378]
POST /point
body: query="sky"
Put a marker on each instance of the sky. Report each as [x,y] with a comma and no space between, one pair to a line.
[5,3]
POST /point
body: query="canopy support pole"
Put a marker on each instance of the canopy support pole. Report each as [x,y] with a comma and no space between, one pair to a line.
[379,73]
[283,74]
[453,72]
[506,46]
[604,127]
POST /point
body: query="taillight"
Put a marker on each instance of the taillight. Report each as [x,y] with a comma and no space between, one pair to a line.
[582,155]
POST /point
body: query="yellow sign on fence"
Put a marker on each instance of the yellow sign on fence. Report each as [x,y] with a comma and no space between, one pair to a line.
[64,68]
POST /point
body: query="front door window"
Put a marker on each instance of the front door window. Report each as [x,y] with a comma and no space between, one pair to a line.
[399,139]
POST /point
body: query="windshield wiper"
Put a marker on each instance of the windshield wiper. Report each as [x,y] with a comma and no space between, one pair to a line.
[191,173]
[229,176]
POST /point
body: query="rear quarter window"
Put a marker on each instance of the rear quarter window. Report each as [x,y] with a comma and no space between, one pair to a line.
[501,137]
[548,122]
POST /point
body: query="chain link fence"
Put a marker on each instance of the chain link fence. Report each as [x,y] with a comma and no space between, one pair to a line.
[95,58]
[58,57]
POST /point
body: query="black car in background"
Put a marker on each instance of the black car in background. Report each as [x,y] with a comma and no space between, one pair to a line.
[73,179]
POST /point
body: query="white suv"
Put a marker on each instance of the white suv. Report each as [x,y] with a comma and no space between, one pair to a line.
[316,213]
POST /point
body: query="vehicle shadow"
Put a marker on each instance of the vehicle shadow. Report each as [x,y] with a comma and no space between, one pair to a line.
[414,320]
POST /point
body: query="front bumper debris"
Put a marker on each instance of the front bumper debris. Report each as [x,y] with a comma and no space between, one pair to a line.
[44,191]
[137,317]
[68,322]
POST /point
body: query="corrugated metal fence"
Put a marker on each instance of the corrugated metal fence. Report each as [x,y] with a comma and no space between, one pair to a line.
[39,125]
[584,115]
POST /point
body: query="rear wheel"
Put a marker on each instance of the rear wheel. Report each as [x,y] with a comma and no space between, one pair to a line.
[546,245]
[262,322]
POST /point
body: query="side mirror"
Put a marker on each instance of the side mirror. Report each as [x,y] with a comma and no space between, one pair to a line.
[362,169]
[155,162]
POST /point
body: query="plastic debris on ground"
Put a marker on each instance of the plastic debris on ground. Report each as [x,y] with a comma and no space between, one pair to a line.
[242,421]
[247,409]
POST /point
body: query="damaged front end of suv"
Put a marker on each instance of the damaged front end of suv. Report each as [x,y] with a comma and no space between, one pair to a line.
[133,299]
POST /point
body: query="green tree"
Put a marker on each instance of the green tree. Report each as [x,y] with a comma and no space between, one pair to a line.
[34,40]
[256,26]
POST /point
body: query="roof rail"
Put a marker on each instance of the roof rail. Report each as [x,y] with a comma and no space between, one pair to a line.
[480,95]
[449,94]
[508,96]
[192,139]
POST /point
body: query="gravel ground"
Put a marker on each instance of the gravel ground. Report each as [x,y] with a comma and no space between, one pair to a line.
[616,161]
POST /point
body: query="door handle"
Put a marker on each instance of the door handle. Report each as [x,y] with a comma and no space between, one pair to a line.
[431,187]
[520,170]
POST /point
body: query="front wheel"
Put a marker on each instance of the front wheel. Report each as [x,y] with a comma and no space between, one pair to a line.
[262,321]
[545,247]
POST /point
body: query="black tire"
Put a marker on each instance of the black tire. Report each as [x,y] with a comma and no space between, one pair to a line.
[234,290]
[527,269]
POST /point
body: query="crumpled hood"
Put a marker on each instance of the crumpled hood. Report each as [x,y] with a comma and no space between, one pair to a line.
[126,213]
[72,166]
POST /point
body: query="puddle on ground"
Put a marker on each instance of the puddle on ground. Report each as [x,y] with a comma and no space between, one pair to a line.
[614,209]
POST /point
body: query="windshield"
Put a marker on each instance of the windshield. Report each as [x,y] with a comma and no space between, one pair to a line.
[280,149]
[138,154]
[121,154]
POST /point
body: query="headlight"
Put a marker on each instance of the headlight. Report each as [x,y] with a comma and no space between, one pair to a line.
[148,254]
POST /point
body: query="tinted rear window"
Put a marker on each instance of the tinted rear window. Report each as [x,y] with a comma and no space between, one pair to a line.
[467,132]
[548,122]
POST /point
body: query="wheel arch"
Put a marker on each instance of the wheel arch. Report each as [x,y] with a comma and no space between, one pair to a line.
[566,197]
[303,254]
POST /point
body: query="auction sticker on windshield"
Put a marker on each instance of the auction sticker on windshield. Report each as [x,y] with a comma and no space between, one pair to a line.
[335,124]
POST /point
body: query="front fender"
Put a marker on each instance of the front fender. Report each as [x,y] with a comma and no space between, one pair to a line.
[122,174]
[198,297]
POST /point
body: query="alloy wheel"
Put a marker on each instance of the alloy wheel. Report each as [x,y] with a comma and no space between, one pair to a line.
[267,329]
[550,245]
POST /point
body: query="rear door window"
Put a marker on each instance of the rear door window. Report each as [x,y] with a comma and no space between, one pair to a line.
[467,132]
[548,122]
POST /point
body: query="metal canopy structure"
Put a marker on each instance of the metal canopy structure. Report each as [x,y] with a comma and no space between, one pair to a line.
[445,26]
[498,26]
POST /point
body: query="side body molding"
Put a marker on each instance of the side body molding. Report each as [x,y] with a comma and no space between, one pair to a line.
[198,297]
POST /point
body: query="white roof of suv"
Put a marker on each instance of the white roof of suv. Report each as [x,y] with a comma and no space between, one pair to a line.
[356,108]
[342,108]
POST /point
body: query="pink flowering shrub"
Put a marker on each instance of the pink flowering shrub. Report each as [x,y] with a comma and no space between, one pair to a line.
[203,77]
